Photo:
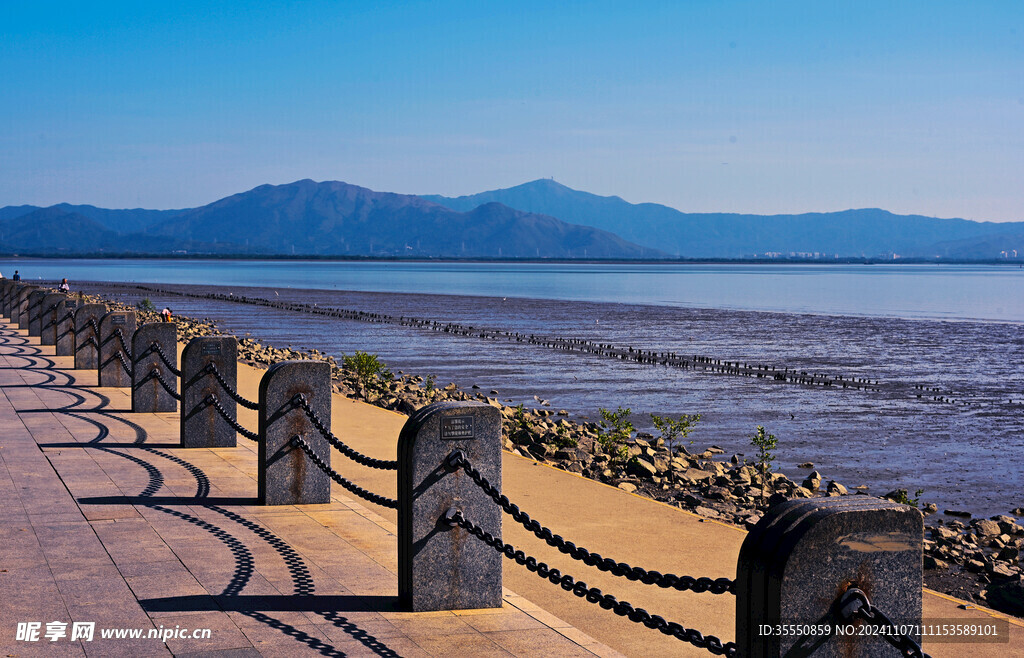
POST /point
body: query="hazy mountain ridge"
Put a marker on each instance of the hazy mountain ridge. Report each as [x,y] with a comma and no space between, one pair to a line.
[323,219]
[869,232]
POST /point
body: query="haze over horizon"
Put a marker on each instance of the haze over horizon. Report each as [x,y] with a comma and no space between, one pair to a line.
[737,107]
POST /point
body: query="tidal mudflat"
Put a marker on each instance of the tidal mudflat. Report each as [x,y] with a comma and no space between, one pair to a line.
[940,406]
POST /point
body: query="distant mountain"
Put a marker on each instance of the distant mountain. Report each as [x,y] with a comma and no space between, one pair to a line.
[124,221]
[314,219]
[866,232]
[56,230]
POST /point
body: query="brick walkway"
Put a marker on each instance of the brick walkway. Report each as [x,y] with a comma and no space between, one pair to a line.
[104,519]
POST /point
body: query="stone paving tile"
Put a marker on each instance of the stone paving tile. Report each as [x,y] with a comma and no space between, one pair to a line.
[476,644]
[539,642]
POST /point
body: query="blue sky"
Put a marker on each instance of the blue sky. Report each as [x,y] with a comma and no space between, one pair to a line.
[763,107]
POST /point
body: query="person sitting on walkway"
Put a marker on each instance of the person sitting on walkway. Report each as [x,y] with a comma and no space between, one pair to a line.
[64,287]
[16,277]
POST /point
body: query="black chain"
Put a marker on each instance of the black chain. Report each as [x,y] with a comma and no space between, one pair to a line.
[127,367]
[155,347]
[593,594]
[212,369]
[120,339]
[385,465]
[855,603]
[155,374]
[348,484]
[669,580]
[87,342]
[215,403]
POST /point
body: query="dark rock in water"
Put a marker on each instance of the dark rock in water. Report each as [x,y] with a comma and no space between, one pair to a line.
[960,513]
[806,465]
[1008,597]
[1018,511]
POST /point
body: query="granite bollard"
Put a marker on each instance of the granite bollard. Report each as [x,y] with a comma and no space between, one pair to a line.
[287,476]
[87,335]
[6,285]
[151,344]
[35,310]
[799,560]
[65,330]
[22,306]
[201,425]
[48,319]
[441,567]
[116,331]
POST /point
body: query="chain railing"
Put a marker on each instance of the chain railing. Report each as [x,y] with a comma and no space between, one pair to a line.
[215,403]
[155,347]
[155,374]
[91,340]
[386,465]
[593,594]
[855,604]
[127,367]
[377,499]
[458,460]
[120,339]
[233,394]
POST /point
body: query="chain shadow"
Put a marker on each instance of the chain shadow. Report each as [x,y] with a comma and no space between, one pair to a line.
[302,599]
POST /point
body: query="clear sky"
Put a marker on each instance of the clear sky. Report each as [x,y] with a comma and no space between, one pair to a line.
[763,107]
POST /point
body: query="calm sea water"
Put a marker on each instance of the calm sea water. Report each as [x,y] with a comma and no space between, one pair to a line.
[958,329]
[976,292]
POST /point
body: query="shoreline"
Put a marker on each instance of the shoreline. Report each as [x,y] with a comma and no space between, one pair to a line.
[968,559]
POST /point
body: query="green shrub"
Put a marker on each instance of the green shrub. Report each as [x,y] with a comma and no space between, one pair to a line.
[765,458]
[368,370]
[672,430]
[614,432]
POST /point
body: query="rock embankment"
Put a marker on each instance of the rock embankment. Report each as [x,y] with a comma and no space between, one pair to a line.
[975,559]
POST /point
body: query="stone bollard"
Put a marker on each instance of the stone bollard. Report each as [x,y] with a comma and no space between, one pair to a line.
[87,337]
[803,555]
[35,310]
[116,331]
[65,329]
[48,319]
[287,476]
[22,305]
[441,567]
[6,285]
[201,425]
[148,367]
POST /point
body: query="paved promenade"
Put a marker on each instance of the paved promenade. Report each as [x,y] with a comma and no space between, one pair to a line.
[105,519]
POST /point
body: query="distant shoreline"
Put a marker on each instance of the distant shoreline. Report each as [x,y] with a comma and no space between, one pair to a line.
[570,261]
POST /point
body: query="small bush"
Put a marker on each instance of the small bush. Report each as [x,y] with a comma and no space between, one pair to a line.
[368,369]
[764,443]
[614,432]
[672,430]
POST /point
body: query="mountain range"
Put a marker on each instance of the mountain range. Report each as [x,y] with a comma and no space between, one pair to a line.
[306,218]
[868,232]
[540,219]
